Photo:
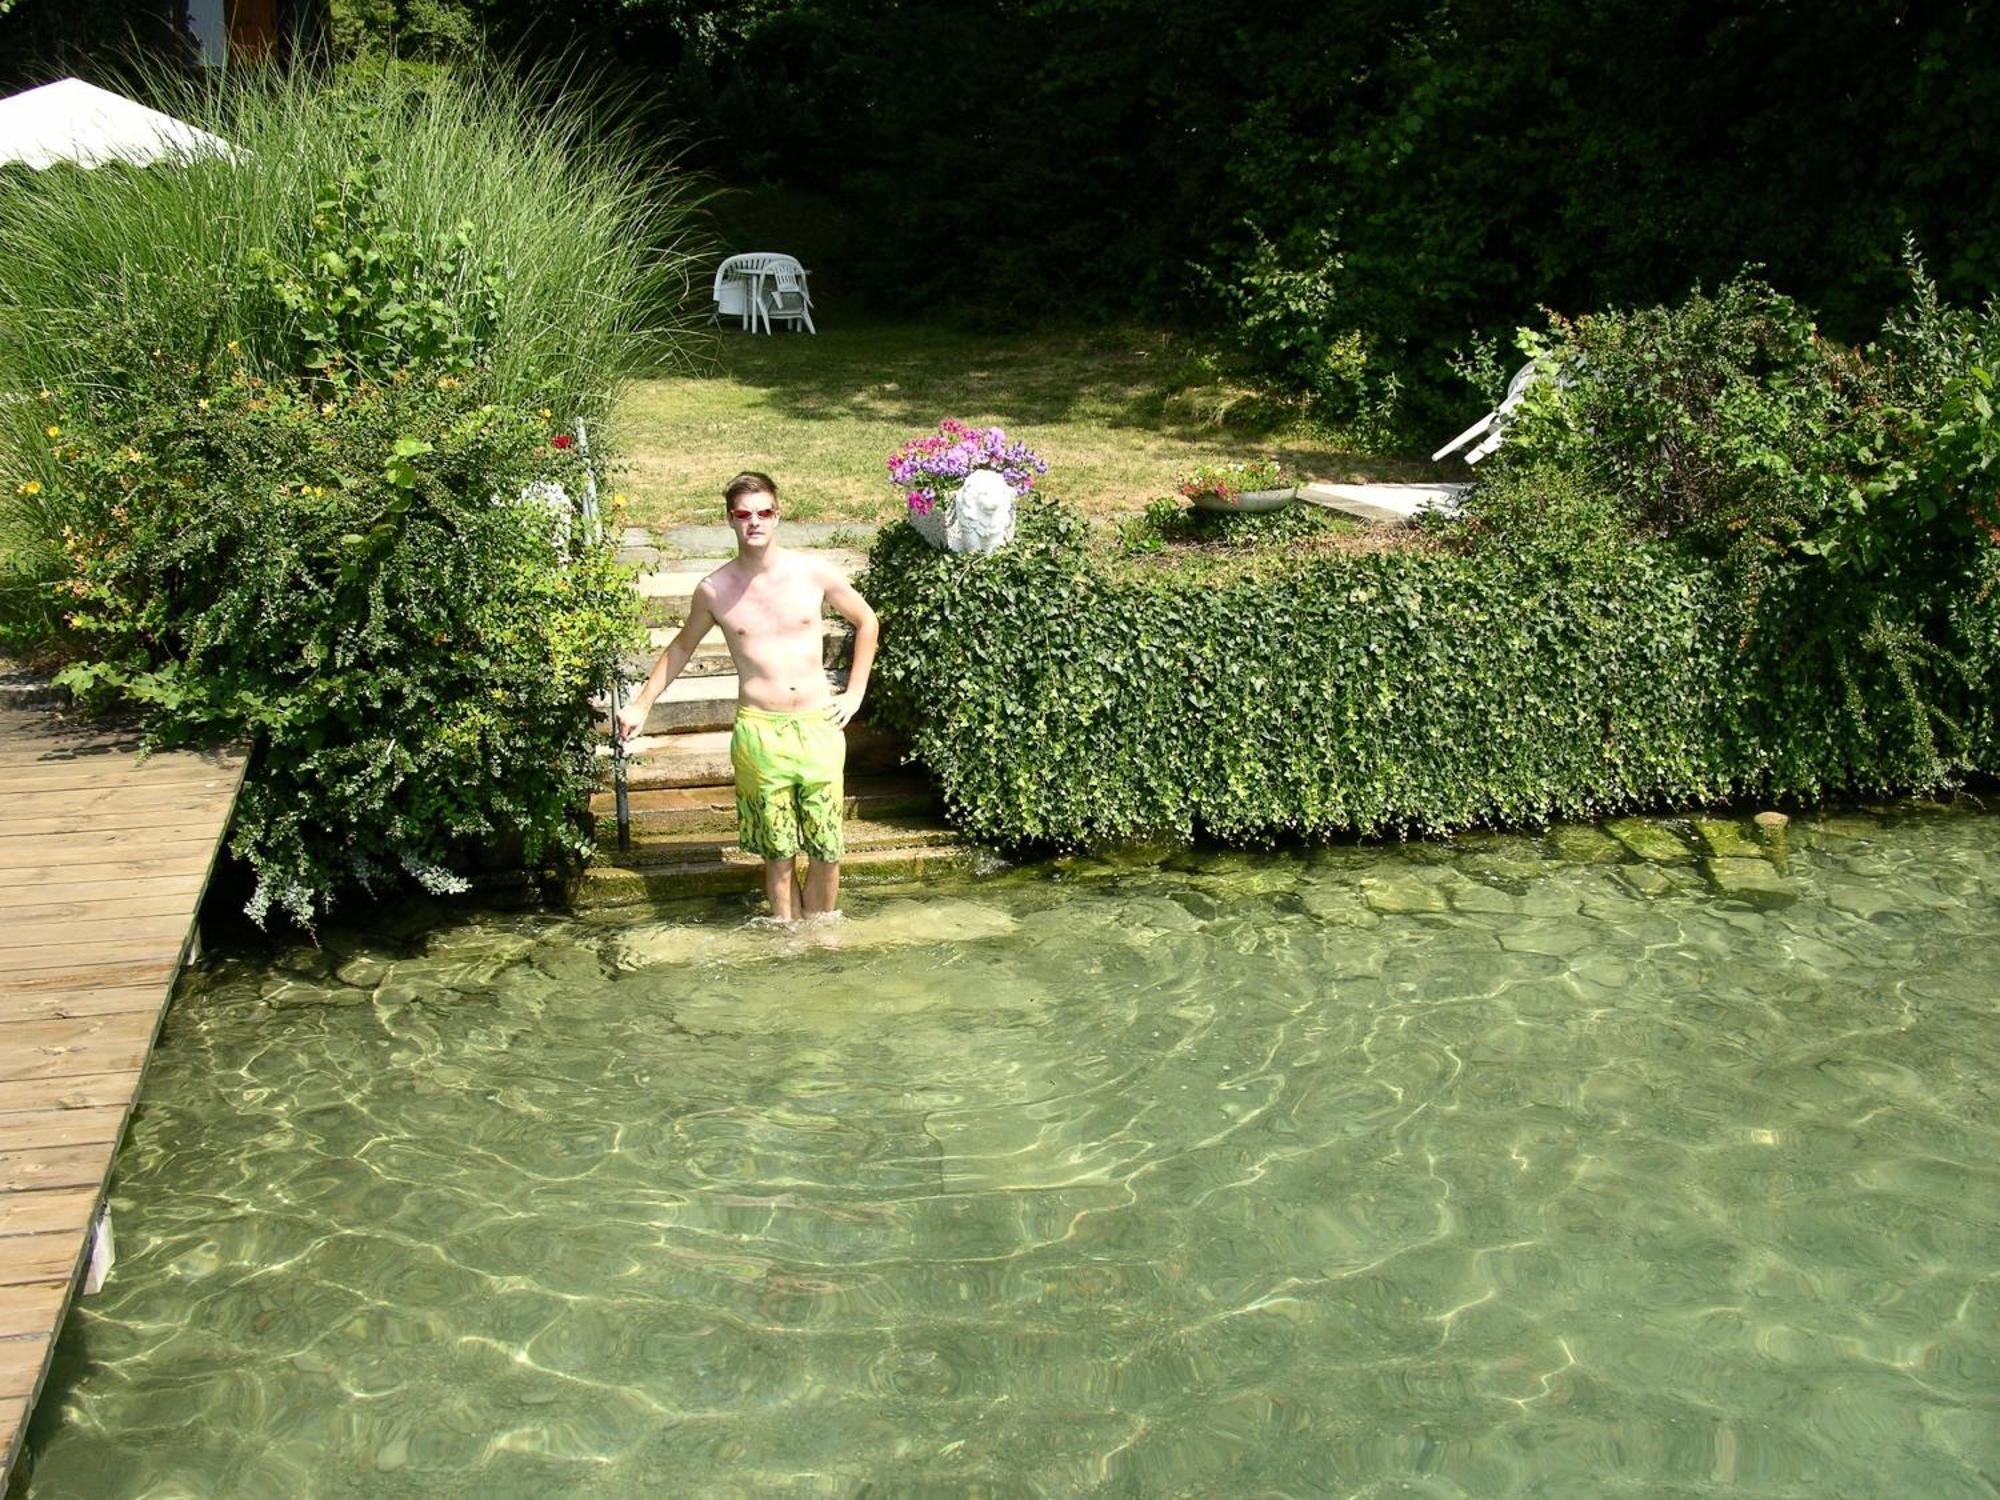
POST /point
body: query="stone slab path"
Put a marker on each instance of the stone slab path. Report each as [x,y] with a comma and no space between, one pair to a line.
[104,857]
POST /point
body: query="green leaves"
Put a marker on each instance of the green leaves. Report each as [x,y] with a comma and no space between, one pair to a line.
[1552,670]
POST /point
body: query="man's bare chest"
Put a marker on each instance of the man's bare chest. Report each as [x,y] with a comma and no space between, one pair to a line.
[772,609]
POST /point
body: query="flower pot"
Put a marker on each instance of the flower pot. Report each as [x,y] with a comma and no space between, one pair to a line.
[1249,503]
[932,525]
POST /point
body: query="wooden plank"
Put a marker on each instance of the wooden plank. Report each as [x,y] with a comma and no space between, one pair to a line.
[96,927]
[84,906]
[116,1049]
[38,1257]
[120,771]
[72,1091]
[86,1165]
[108,845]
[55,970]
[17,894]
[95,799]
[33,1307]
[172,809]
[66,852]
[33,1129]
[192,860]
[51,1211]
[90,951]
[21,1362]
[85,1000]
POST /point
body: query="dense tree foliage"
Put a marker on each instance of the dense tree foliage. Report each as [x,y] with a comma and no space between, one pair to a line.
[1365,185]
[1355,190]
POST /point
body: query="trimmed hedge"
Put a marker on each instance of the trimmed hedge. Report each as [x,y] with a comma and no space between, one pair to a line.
[1063,701]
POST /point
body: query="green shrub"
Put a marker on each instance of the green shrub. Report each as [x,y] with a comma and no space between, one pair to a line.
[1062,701]
[350,582]
[1847,498]
[270,444]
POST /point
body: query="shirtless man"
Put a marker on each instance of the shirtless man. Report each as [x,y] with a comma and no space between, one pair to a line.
[788,748]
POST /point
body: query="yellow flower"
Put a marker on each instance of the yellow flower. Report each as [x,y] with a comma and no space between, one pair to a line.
[234,347]
[447,382]
[545,414]
[52,430]
[32,487]
[201,404]
[327,408]
[134,456]
[48,395]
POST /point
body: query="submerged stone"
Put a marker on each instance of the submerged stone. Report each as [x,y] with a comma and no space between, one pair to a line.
[1724,838]
[1402,895]
[1582,844]
[1654,842]
[1645,880]
[895,924]
[1752,880]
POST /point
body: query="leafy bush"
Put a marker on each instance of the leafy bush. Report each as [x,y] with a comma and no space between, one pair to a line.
[273,422]
[351,582]
[1515,678]
[1849,499]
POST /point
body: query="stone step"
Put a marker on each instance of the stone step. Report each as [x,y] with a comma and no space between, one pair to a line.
[664,592]
[712,809]
[604,886]
[708,847]
[702,758]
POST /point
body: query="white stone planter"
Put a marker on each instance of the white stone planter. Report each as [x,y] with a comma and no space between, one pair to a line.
[1249,503]
[979,518]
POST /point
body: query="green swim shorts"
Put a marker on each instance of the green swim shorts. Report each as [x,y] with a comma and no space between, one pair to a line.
[789,788]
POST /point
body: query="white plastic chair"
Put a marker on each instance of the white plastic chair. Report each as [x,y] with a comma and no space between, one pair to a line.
[786,298]
[1492,427]
[758,285]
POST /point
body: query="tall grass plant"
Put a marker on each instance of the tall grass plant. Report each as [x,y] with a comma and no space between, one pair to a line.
[573,238]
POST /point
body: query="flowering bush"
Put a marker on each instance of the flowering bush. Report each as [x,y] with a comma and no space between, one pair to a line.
[344,579]
[943,459]
[1227,481]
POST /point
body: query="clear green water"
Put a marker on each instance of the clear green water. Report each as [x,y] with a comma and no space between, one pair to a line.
[1443,1171]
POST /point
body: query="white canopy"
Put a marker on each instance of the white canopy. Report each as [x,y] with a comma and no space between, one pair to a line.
[73,121]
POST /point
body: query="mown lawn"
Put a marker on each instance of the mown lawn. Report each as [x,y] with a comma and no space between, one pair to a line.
[1116,413]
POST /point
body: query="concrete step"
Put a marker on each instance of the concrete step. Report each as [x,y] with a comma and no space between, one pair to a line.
[712,809]
[604,886]
[664,592]
[702,758]
[708,847]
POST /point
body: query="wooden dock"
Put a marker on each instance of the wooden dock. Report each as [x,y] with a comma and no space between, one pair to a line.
[104,857]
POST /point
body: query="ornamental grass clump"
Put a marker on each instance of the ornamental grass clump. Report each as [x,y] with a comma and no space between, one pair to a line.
[934,466]
[272,444]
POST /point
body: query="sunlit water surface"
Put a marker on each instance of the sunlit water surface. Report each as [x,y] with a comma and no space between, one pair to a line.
[1457,1170]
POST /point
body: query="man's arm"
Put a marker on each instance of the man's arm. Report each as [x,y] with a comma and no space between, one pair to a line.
[700,620]
[854,609]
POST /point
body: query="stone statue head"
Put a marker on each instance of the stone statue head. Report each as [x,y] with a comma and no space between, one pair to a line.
[983,518]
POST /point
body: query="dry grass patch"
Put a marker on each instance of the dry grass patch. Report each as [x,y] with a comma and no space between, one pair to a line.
[1116,413]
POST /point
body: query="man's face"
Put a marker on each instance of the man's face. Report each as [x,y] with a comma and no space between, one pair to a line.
[753,517]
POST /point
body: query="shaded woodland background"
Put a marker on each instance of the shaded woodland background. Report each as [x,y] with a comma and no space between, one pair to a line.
[1347,193]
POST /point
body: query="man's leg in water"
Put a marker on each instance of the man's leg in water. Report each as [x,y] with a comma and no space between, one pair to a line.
[822,893]
[781,887]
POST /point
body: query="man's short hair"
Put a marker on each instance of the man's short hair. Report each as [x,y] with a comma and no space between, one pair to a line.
[749,482]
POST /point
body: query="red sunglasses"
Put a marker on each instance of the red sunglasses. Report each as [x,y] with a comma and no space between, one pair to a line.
[761,515]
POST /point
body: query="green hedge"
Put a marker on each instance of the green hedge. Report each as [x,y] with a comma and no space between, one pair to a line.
[1063,700]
